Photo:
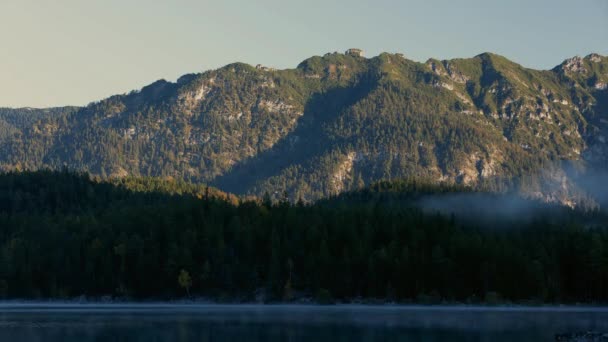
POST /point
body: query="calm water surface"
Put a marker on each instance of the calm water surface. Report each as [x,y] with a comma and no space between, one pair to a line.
[38,322]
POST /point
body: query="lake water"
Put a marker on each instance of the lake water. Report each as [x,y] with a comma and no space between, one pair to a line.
[73,322]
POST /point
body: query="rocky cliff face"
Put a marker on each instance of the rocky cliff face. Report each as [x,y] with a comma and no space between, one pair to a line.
[338,122]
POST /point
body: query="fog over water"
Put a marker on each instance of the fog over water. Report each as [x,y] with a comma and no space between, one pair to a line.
[163,322]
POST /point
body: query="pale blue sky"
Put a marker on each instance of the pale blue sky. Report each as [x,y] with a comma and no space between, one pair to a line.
[71,52]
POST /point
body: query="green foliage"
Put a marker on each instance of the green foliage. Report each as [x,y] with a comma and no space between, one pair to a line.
[334,123]
[66,234]
[324,297]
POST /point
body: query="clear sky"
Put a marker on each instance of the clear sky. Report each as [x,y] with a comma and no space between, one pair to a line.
[72,52]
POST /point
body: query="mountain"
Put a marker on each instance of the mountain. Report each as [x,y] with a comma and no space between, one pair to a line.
[339,122]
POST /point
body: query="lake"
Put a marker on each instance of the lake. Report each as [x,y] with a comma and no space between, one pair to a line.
[165,322]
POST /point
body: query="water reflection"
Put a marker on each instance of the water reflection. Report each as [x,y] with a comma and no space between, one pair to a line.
[289,323]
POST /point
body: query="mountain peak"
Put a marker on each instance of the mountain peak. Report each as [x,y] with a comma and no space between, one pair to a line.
[488,55]
[591,68]
[595,57]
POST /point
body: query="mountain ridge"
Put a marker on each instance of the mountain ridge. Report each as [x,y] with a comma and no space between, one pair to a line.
[337,122]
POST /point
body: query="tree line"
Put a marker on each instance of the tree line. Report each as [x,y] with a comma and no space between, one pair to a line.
[66,234]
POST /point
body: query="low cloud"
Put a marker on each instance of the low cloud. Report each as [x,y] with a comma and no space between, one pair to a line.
[489,209]
[593,181]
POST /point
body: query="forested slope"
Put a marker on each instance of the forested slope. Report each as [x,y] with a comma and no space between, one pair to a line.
[64,235]
[336,123]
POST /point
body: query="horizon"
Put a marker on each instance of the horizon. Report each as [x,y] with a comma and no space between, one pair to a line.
[72,54]
[174,80]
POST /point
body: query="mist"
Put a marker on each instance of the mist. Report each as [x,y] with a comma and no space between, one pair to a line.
[490,209]
[187,322]
[595,183]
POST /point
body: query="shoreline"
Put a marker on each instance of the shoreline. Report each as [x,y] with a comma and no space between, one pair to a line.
[168,305]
